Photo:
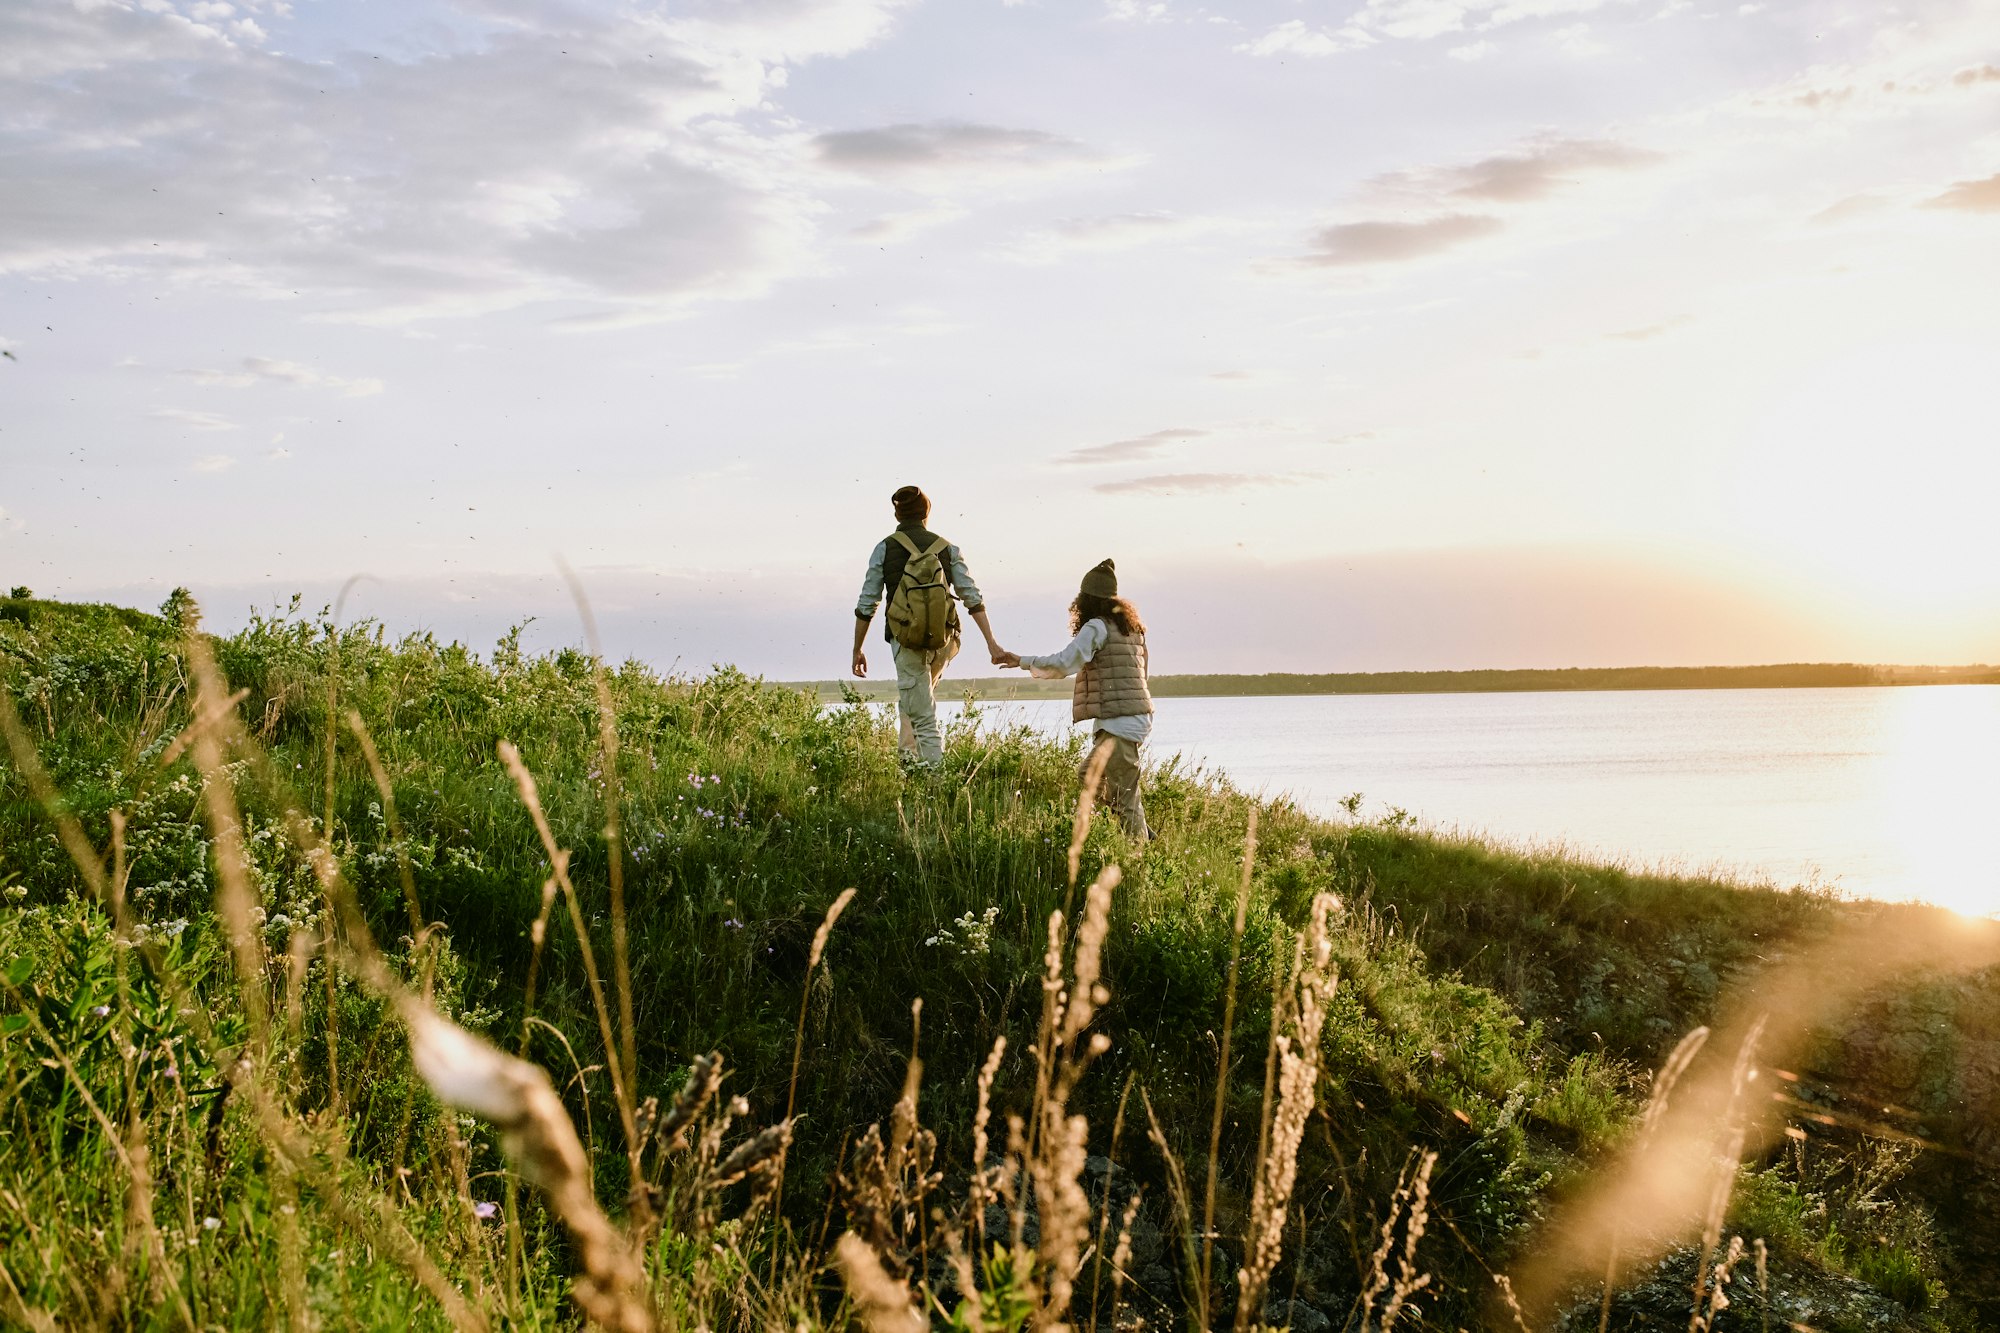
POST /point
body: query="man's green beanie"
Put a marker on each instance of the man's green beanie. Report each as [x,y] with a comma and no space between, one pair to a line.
[1102,580]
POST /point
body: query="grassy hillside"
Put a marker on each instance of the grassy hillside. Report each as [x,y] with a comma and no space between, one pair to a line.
[208,1125]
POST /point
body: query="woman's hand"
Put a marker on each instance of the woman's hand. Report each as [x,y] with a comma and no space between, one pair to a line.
[1003,658]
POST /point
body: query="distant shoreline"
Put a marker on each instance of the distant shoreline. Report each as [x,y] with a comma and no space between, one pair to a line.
[1782,676]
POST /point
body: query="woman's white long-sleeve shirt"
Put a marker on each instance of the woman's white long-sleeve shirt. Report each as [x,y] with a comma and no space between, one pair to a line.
[1135,728]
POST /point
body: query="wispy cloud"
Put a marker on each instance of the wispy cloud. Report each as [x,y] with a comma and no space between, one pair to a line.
[256,369]
[1354,243]
[214,463]
[1648,332]
[892,228]
[633,166]
[1524,175]
[1981,196]
[952,148]
[1195,483]
[193,420]
[1122,231]
[1405,20]
[1125,451]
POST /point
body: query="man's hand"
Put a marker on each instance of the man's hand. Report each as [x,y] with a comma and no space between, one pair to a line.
[860,663]
[1003,658]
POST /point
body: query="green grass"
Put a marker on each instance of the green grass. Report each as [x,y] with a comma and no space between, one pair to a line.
[1494,1006]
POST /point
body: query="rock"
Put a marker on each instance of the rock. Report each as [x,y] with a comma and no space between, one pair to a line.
[1660,1297]
[1157,1281]
[1297,1316]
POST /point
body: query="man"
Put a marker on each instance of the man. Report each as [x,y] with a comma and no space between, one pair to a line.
[917,669]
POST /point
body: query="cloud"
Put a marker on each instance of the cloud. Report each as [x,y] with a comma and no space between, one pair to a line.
[1522,176]
[1194,483]
[1648,332]
[1124,451]
[567,154]
[1123,231]
[193,420]
[951,148]
[1845,210]
[214,463]
[1973,75]
[291,372]
[1354,243]
[1981,196]
[1406,20]
[1472,51]
[258,368]
[1295,37]
[892,228]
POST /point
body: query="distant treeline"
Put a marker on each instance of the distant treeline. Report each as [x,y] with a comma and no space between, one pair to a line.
[1780,676]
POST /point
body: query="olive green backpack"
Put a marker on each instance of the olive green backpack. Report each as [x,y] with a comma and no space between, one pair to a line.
[921,614]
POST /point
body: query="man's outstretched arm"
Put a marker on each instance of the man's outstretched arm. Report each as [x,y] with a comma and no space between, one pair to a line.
[864,608]
[860,637]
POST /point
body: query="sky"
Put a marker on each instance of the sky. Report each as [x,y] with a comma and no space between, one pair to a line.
[1363,334]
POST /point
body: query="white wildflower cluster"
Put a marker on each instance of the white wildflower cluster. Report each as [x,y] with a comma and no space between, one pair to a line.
[971,935]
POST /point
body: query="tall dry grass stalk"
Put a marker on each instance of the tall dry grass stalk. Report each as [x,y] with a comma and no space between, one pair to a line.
[813,956]
[607,746]
[1409,1206]
[1301,1007]
[621,1090]
[1656,1106]
[517,1098]
[1736,1122]
[883,1304]
[1222,1067]
[1659,1194]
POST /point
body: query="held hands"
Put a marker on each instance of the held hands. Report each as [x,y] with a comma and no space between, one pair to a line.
[1003,658]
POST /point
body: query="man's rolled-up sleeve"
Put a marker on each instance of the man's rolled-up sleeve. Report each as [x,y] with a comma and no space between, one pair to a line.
[961,579]
[871,584]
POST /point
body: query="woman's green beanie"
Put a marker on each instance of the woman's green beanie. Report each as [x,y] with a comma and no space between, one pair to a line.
[1102,580]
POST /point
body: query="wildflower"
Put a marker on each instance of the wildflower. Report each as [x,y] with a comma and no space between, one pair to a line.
[211,1223]
[485,1211]
[17,891]
[101,1010]
[733,924]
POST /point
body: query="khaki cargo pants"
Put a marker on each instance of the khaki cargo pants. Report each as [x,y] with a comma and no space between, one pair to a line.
[917,671]
[1119,789]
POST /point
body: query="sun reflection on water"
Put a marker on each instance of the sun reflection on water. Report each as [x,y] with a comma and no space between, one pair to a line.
[1941,779]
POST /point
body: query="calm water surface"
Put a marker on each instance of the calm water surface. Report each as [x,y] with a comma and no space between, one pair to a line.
[1886,793]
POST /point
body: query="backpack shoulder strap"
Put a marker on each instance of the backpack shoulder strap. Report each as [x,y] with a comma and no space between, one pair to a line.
[903,538]
[935,548]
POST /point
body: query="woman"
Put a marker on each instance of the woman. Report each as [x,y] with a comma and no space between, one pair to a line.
[1108,659]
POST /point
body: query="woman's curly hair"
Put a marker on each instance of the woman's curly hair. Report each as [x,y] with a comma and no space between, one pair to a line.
[1114,610]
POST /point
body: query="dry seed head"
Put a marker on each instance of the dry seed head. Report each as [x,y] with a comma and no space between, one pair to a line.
[1089,964]
[1056,1171]
[826,927]
[704,1077]
[473,1075]
[757,1153]
[882,1302]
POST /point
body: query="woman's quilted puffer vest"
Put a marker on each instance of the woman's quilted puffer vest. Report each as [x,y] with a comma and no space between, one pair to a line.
[1113,683]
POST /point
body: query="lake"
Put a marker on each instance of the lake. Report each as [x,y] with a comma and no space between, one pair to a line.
[1883,793]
